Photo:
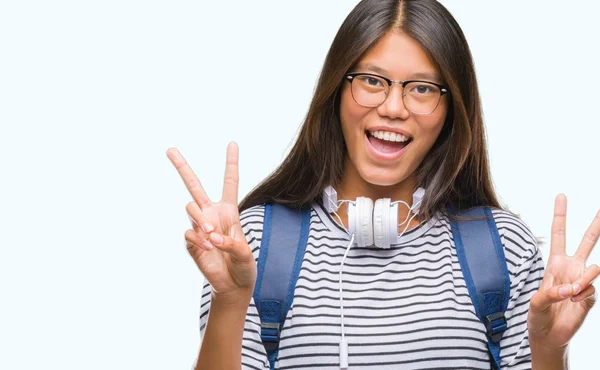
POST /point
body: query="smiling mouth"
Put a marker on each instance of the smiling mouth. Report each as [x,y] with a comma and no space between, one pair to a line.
[386,146]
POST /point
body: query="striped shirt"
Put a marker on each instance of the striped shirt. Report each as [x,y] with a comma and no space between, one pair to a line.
[406,307]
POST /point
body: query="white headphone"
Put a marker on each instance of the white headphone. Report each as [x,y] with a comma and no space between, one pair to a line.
[372,225]
[368,225]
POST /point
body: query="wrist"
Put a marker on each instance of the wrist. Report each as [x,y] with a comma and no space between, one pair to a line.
[235,299]
[549,358]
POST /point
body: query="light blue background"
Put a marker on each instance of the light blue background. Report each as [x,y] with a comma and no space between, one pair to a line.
[93,270]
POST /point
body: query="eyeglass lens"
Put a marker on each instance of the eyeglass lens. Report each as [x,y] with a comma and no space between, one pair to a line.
[418,97]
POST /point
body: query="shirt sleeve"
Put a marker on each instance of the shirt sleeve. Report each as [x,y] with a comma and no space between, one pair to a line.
[526,270]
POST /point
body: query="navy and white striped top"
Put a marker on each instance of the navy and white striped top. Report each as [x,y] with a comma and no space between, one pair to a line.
[406,307]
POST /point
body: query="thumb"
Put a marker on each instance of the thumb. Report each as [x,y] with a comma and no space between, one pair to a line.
[237,249]
[543,299]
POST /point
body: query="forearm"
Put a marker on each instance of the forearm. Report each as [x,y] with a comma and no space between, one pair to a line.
[222,341]
[547,359]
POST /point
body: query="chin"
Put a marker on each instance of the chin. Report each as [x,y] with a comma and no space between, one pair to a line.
[381,177]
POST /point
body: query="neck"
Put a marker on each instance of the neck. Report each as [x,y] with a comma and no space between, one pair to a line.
[353,185]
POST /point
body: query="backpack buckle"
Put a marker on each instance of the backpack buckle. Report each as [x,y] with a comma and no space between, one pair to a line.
[270,333]
[495,325]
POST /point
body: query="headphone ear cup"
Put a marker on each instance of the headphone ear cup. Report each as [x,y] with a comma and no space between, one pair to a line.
[360,221]
[385,223]
[366,212]
[381,215]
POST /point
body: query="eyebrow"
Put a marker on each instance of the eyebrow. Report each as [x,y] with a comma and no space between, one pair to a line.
[417,75]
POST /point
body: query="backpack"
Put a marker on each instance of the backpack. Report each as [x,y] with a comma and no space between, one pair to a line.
[478,247]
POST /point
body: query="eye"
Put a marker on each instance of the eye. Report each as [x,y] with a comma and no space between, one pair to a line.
[420,88]
[371,83]
[370,80]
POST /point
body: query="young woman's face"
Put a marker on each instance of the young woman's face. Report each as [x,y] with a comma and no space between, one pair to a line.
[397,57]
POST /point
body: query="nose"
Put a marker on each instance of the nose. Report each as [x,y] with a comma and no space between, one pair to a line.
[393,106]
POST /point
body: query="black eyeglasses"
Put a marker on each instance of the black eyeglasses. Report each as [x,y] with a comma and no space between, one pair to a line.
[418,96]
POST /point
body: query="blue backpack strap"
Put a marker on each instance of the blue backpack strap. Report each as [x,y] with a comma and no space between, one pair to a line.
[483,264]
[284,238]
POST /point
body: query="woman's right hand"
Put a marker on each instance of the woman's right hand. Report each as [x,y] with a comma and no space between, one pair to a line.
[228,265]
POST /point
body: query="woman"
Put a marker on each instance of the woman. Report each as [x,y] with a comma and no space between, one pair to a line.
[396,108]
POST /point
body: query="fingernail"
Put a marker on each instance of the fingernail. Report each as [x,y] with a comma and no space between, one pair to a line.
[207,245]
[578,298]
[206,227]
[216,239]
[565,291]
[576,289]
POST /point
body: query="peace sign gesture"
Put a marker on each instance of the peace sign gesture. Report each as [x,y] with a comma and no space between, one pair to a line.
[566,293]
[230,267]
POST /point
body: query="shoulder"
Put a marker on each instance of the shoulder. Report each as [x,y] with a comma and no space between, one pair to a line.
[252,220]
[520,245]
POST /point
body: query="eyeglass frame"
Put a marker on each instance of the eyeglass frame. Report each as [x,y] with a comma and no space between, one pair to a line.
[351,75]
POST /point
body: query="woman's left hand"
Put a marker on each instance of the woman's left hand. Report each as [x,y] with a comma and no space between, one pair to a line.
[566,293]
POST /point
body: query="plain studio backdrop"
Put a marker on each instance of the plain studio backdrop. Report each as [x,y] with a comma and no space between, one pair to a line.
[93,269]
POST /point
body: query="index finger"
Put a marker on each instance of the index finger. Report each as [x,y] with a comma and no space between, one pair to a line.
[189,178]
[558,239]
[590,238]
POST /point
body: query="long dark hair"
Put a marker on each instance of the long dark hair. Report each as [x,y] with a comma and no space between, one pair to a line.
[456,170]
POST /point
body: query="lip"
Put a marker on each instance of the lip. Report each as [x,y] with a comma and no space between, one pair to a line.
[390,129]
[384,156]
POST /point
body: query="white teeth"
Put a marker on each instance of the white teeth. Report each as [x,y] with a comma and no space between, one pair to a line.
[389,136]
